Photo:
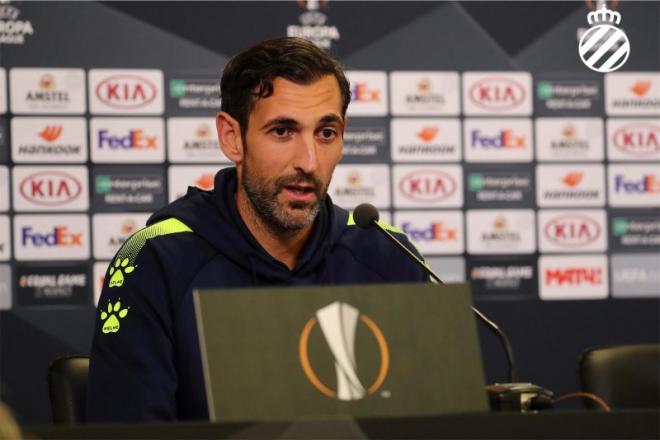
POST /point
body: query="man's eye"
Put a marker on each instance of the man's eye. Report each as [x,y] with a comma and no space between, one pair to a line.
[280,131]
[327,134]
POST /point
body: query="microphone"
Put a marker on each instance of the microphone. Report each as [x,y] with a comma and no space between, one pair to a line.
[366,215]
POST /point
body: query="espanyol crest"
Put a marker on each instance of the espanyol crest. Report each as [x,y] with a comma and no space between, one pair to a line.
[604,47]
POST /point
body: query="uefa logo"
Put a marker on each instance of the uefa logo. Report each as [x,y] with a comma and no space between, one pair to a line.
[339,322]
[604,47]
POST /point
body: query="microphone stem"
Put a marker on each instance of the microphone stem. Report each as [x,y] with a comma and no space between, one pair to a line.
[513,371]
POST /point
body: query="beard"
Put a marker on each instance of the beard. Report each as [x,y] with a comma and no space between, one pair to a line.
[288,216]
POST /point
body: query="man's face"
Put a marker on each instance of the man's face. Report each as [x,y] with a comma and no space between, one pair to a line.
[293,142]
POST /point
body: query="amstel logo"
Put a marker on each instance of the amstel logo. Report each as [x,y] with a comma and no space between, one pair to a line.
[338,322]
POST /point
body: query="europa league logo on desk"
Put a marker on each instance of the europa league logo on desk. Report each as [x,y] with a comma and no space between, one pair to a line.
[604,47]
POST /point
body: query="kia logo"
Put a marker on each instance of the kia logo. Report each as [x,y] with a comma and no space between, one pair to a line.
[50,188]
[638,139]
[572,230]
[126,91]
[497,93]
[427,185]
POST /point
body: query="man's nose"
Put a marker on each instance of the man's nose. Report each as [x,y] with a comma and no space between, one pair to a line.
[306,158]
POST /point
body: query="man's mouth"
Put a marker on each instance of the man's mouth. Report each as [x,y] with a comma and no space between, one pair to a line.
[301,188]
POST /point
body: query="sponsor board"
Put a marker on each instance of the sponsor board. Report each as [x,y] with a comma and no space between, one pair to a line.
[568,96]
[99,271]
[180,177]
[570,185]
[48,237]
[426,140]
[635,275]
[61,285]
[428,186]
[49,140]
[126,91]
[433,232]
[13,30]
[43,188]
[633,140]
[449,269]
[425,93]
[496,277]
[5,238]
[572,230]
[632,93]
[3,90]
[634,185]
[352,185]
[634,231]
[366,140]
[5,287]
[193,140]
[510,231]
[127,140]
[572,277]
[569,139]
[368,93]
[135,188]
[197,93]
[499,186]
[112,230]
[47,91]
[498,140]
[497,93]
[4,188]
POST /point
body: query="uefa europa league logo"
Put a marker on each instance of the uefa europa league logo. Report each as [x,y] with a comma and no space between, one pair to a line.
[604,47]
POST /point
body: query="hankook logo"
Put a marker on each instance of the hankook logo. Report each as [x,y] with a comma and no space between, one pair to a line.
[338,322]
[572,230]
[497,93]
[50,188]
[638,139]
[427,185]
[126,91]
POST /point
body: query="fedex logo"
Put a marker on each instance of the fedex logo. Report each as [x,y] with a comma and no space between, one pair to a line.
[361,92]
[136,138]
[437,231]
[124,140]
[647,184]
[60,236]
[504,139]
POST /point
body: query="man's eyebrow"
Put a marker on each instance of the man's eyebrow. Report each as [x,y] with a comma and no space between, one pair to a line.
[279,122]
[331,118]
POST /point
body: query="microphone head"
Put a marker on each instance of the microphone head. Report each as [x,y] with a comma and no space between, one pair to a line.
[365,215]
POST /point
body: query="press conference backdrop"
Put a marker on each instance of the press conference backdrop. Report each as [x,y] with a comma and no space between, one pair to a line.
[474,127]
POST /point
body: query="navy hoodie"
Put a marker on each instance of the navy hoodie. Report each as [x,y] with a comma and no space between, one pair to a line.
[145,360]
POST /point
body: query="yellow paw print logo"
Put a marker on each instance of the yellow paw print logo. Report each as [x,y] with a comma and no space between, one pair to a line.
[109,317]
[117,272]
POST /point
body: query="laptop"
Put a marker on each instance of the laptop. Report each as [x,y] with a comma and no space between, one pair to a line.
[361,351]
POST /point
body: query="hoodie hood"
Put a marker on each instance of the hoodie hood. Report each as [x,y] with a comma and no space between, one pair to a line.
[214,217]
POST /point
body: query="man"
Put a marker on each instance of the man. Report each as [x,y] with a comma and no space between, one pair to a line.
[268,222]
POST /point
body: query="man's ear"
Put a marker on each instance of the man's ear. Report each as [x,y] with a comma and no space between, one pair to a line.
[229,135]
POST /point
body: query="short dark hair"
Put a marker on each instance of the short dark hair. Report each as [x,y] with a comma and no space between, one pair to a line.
[249,75]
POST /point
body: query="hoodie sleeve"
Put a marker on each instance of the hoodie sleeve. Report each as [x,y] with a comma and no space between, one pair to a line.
[132,374]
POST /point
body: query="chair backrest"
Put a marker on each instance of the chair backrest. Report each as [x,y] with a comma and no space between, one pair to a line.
[67,383]
[625,376]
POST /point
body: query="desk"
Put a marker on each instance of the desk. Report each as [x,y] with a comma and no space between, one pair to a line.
[583,425]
